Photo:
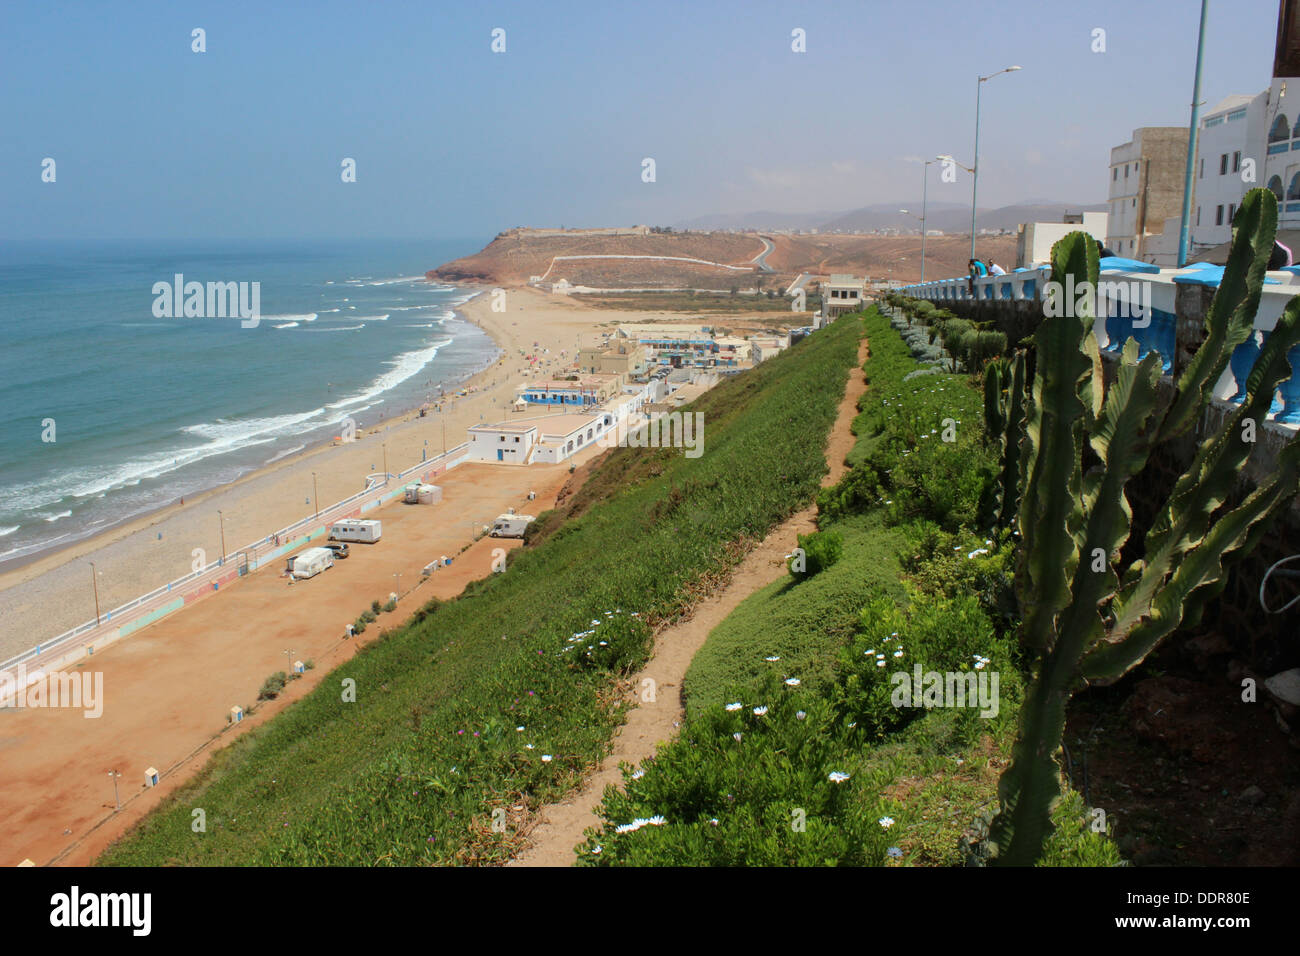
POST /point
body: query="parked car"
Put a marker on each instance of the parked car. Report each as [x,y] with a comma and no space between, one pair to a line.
[339,548]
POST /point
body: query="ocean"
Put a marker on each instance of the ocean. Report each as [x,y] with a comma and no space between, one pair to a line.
[111,411]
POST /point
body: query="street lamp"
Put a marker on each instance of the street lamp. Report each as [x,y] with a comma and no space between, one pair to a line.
[975,176]
[289,656]
[116,800]
[221,521]
[315,496]
[94,581]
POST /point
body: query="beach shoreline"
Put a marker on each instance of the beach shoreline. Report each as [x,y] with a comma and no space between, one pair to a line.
[46,593]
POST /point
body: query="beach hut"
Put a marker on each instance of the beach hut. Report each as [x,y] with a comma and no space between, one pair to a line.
[430,494]
[151,777]
[299,667]
[236,714]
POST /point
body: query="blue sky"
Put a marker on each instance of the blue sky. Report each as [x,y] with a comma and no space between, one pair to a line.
[152,140]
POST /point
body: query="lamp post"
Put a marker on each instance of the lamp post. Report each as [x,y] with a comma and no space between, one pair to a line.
[975,175]
[221,522]
[384,446]
[1192,135]
[94,583]
[117,802]
[315,496]
[289,656]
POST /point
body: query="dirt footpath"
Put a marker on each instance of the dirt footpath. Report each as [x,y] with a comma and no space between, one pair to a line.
[168,689]
[561,825]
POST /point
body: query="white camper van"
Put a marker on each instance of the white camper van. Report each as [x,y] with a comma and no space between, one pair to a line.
[309,563]
[510,525]
[423,495]
[366,531]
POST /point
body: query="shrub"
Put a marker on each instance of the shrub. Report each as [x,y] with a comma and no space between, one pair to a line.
[391,605]
[272,686]
[620,643]
[821,550]
[375,608]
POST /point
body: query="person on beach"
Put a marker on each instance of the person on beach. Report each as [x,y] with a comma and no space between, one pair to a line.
[997,270]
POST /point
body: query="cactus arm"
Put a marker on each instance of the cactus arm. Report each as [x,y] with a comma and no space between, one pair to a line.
[993,421]
[1232,312]
[1210,479]
[1199,575]
[1013,436]
[1049,514]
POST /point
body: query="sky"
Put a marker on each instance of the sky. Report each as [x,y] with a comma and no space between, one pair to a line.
[450,139]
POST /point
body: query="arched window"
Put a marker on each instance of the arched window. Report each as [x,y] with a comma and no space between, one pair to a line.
[1280,131]
[1296,131]
[1294,191]
[1275,187]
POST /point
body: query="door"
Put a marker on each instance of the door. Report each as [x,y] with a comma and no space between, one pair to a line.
[501,455]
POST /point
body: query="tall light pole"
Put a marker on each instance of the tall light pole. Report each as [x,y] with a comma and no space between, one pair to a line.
[384,446]
[1192,135]
[975,173]
[94,581]
[315,496]
[221,521]
[116,800]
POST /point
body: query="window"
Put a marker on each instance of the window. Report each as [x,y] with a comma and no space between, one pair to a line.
[1275,186]
[1218,215]
[1236,161]
[1135,202]
[1202,174]
[1114,174]
[516,439]
[1126,170]
[1223,165]
[1198,215]
[1232,212]
[1294,191]
[1279,130]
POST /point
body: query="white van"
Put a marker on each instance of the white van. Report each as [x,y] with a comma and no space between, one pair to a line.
[510,525]
[309,563]
[367,531]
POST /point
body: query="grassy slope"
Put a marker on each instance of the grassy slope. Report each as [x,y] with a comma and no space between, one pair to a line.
[412,770]
[933,778]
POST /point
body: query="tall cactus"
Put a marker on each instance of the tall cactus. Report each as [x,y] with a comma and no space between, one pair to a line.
[1085,618]
[1004,421]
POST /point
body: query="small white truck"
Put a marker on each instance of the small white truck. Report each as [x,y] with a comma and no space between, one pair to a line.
[309,563]
[364,530]
[510,525]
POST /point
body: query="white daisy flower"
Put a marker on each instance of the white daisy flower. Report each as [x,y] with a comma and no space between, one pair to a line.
[736,736]
[735,706]
[886,822]
[760,711]
[546,758]
[837,777]
[792,682]
[772,660]
[800,715]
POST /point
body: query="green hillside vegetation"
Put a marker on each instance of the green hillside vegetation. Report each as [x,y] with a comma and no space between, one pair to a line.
[505,696]
[793,751]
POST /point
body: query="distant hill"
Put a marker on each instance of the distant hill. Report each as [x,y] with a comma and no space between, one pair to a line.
[944,216]
[949,217]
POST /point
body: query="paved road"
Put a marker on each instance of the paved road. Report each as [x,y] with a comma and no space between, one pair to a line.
[760,260]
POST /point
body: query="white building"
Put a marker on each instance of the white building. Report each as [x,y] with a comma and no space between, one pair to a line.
[843,293]
[510,442]
[1035,239]
[563,436]
[1231,145]
[1146,187]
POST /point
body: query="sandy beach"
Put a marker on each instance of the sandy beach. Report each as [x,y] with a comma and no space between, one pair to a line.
[52,593]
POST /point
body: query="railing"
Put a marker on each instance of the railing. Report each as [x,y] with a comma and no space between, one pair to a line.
[256,555]
[1138,300]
